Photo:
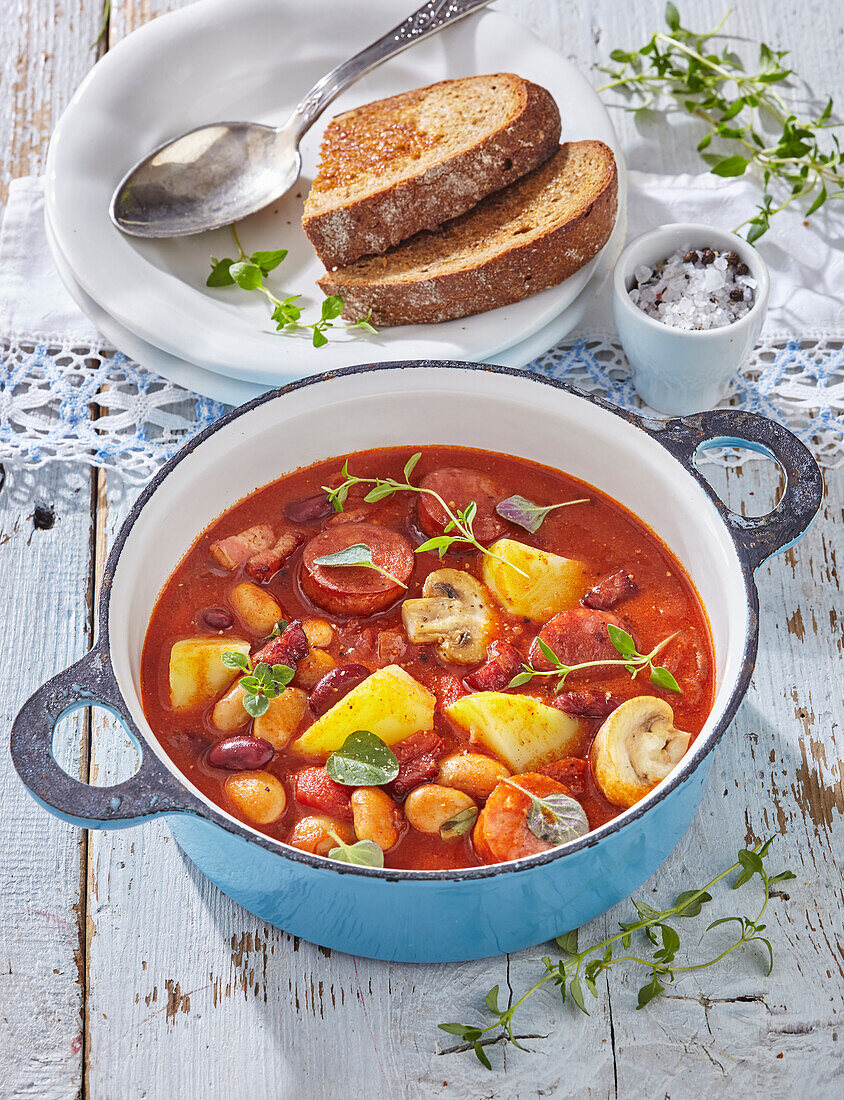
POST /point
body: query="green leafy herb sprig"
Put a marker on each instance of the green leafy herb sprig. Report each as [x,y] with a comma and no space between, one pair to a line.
[249,271]
[520,510]
[740,108]
[460,521]
[105,16]
[631,660]
[261,683]
[555,818]
[660,941]
[357,555]
[363,760]
[363,853]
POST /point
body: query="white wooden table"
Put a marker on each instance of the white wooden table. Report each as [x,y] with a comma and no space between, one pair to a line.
[124,973]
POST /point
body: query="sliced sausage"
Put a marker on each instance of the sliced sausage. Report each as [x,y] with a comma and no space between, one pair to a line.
[458,487]
[356,590]
[610,591]
[576,636]
[501,831]
[586,703]
[503,662]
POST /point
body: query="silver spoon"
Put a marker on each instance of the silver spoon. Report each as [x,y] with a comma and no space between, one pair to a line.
[219,173]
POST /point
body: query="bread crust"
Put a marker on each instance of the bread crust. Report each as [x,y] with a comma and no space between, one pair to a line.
[517,272]
[441,192]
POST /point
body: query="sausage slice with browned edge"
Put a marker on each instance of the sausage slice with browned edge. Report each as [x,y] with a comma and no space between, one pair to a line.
[358,589]
[458,487]
[576,636]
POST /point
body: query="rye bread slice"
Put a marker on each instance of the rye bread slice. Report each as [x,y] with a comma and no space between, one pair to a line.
[400,165]
[514,243]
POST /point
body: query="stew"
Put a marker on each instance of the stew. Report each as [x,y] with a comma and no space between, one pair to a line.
[427,659]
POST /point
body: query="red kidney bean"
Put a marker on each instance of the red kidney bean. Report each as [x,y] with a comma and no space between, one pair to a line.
[587,704]
[288,648]
[309,510]
[243,752]
[218,618]
[335,685]
[503,662]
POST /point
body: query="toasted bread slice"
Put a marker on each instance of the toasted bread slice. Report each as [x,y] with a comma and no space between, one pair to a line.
[413,161]
[514,243]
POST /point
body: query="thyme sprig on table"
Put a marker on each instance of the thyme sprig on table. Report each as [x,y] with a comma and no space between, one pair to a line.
[249,271]
[460,520]
[740,108]
[631,659]
[658,941]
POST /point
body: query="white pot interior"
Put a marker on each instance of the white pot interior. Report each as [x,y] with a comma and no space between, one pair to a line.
[512,414]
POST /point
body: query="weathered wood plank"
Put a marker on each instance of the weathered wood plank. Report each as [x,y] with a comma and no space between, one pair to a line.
[46,614]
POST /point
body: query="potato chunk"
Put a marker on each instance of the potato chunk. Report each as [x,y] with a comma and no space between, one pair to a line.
[553,583]
[197,672]
[389,703]
[518,729]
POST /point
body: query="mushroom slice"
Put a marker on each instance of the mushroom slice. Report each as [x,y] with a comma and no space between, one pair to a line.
[455,612]
[636,747]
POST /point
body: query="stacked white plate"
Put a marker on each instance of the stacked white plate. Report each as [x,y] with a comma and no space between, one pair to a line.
[253,60]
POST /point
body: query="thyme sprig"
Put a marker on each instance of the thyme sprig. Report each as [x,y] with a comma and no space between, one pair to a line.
[581,969]
[631,659]
[740,108]
[249,271]
[460,520]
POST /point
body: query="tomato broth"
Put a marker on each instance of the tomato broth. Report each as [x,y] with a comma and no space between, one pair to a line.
[641,587]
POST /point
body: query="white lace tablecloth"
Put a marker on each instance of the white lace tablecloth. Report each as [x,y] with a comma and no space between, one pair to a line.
[65,395]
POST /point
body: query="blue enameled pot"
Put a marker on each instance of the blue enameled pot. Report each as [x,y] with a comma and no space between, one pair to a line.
[422,916]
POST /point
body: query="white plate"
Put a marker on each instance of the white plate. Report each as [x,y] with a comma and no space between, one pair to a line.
[234,391]
[231,391]
[253,59]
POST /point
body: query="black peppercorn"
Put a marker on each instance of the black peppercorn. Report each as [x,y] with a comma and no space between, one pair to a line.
[742,269]
[737,295]
[707,256]
[691,257]
[732,258]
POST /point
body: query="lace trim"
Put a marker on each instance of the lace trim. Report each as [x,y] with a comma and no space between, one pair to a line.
[64,402]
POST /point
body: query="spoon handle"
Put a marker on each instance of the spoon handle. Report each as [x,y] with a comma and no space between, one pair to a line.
[429,19]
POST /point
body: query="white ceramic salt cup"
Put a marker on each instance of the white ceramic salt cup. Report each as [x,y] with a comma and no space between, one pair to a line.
[677,371]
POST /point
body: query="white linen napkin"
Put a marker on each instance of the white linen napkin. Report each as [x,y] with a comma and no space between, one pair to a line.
[806,260]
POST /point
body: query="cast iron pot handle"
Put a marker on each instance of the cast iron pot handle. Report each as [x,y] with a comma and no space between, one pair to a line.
[151,791]
[759,536]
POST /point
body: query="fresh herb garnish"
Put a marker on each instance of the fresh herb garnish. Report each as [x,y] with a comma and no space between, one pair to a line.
[583,967]
[363,761]
[261,683]
[248,272]
[358,554]
[555,818]
[631,660]
[520,510]
[277,630]
[741,109]
[460,521]
[364,853]
[104,19]
[460,824]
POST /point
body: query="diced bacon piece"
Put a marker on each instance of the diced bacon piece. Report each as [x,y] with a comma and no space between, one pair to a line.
[236,549]
[265,563]
[314,787]
[587,703]
[572,773]
[418,757]
[610,591]
[288,648]
[503,662]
